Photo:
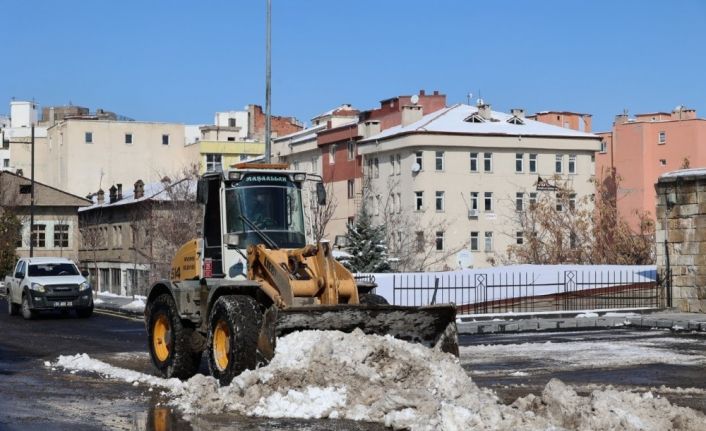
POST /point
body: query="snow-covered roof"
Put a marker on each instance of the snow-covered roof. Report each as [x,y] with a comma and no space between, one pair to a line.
[302,135]
[681,173]
[152,191]
[454,120]
[344,107]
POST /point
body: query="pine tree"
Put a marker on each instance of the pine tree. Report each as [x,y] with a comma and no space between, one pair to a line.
[366,245]
[9,236]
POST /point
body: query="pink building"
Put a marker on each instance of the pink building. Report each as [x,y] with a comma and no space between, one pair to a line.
[640,149]
[565,119]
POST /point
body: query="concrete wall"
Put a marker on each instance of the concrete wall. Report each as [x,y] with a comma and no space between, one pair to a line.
[683,224]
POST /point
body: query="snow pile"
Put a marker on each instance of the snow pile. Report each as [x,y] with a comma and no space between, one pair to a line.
[329,374]
[137,305]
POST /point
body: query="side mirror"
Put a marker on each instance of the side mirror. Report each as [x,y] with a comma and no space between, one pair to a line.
[85,273]
[19,275]
[202,191]
[320,194]
[232,240]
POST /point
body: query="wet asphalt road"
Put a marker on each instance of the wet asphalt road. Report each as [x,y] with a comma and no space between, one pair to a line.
[34,397]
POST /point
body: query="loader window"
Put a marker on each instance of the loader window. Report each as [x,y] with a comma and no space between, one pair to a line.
[275,210]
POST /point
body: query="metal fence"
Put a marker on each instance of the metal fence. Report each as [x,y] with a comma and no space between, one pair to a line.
[503,292]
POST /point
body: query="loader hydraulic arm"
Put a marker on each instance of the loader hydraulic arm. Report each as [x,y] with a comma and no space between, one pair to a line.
[308,275]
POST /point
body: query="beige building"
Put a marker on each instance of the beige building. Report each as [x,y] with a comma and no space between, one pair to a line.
[449,185]
[55,231]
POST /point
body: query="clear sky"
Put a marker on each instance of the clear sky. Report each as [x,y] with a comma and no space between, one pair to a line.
[181,61]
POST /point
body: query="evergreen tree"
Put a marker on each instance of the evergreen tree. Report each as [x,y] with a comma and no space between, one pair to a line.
[366,245]
[9,235]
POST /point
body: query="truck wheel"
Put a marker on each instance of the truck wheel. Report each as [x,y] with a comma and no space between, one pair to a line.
[169,340]
[233,329]
[373,299]
[27,312]
[12,308]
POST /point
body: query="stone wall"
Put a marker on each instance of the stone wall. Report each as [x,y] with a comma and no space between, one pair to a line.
[681,218]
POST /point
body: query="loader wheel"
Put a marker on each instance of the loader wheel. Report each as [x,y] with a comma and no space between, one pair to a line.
[233,330]
[27,312]
[169,340]
[373,299]
[12,308]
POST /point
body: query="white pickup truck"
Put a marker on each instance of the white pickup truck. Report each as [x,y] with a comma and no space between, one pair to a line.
[47,283]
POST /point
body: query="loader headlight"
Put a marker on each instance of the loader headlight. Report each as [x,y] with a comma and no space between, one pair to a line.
[299,177]
[234,176]
[37,287]
[84,286]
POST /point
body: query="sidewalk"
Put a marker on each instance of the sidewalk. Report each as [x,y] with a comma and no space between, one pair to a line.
[506,322]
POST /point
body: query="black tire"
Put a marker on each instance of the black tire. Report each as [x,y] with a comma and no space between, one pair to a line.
[372,299]
[180,360]
[84,313]
[12,308]
[238,319]
[27,312]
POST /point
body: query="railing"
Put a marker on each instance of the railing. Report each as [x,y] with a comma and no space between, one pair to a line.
[501,292]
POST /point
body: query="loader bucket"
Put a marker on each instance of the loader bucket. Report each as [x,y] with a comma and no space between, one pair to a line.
[433,326]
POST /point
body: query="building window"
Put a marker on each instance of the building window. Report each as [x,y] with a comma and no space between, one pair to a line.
[533,163]
[488,162]
[213,163]
[420,241]
[350,189]
[519,238]
[559,202]
[376,205]
[663,162]
[474,162]
[572,163]
[572,240]
[393,203]
[439,201]
[519,159]
[351,150]
[115,279]
[572,201]
[439,240]
[376,168]
[398,165]
[488,241]
[128,138]
[519,201]
[61,235]
[474,241]
[5,163]
[662,137]
[88,138]
[474,200]
[165,139]
[419,201]
[332,154]
[38,235]
[419,159]
[392,165]
[558,164]
[532,199]
[604,147]
[439,160]
[231,122]
[488,202]
[399,203]
[231,138]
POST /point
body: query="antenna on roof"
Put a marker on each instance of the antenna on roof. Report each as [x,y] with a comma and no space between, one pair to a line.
[469,96]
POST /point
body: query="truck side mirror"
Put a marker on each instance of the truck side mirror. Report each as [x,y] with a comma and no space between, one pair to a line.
[202,191]
[85,273]
[232,240]
[320,194]
[19,275]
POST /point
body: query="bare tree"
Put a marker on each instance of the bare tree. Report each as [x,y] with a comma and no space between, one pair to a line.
[61,231]
[93,239]
[321,214]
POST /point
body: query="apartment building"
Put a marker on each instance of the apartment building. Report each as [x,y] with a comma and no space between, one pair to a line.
[640,149]
[452,183]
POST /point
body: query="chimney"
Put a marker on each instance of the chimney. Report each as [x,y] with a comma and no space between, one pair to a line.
[113,194]
[518,112]
[621,118]
[120,191]
[411,113]
[139,190]
[369,128]
[422,92]
[484,110]
[100,197]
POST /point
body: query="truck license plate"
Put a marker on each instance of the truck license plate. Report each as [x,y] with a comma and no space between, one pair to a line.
[63,304]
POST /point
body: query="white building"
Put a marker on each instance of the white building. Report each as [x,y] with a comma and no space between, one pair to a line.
[450,184]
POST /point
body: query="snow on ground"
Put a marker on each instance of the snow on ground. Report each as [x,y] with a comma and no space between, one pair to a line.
[136,305]
[330,374]
[584,354]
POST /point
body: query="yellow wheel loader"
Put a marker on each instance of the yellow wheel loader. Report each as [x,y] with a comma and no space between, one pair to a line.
[253,276]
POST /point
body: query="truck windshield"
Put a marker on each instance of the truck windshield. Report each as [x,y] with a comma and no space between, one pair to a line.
[275,210]
[52,269]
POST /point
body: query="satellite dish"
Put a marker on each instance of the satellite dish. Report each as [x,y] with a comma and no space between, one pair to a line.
[414,99]
[416,168]
[464,259]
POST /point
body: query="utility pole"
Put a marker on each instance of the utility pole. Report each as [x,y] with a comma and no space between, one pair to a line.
[268,89]
[31,202]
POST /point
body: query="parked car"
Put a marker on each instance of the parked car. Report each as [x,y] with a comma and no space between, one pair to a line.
[48,283]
